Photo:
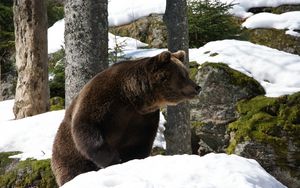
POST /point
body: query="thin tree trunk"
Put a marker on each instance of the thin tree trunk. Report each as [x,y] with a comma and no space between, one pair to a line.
[32,92]
[86,43]
[177,133]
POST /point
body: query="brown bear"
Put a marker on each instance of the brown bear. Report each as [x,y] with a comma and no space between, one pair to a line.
[115,116]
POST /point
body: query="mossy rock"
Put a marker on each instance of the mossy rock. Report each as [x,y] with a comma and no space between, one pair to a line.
[193,68]
[274,39]
[215,107]
[150,30]
[235,77]
[275,10]
[268,120]
[57,103]
[28,173]
[7,163]
[268,130]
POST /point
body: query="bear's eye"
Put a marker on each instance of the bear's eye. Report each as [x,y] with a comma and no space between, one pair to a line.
[163,78]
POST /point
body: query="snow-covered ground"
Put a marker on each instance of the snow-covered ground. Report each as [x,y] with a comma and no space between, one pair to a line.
[289,21]
[33,136]
[241,7]
[180,171]
[56,39]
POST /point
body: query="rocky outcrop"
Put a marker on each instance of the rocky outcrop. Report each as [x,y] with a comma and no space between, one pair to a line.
[150,30]
[268,130]
[214,108]
[275,10]
[8,86]
[232,115]
[28,173]
[274,39]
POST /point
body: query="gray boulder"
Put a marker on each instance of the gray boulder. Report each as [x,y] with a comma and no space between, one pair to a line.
[214,108]
[150,30]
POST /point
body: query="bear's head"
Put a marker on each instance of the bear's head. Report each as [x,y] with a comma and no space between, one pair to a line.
[160,81]
[170,79]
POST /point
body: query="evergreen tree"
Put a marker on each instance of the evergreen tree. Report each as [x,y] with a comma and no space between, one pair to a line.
[209,21]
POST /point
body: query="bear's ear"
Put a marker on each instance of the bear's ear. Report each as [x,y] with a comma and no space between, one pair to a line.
[164,57]
[180,55]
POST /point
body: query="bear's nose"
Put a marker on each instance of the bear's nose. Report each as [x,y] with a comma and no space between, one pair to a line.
[198,89]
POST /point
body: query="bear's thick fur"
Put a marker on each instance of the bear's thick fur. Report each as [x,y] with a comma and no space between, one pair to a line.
[115,116]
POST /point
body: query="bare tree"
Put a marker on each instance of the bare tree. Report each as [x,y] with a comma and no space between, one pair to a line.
[86,43]
[32,92]
[177,133]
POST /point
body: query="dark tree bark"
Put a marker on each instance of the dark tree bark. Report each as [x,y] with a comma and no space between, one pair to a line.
[32,92]
[86,43]
[177,133]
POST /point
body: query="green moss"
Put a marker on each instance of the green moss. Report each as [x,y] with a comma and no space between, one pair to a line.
[57,103]
[195,124]
[193,69]
[5,161]
[29,173]
[157,151]
[213,54]
[268,120]
[236,77]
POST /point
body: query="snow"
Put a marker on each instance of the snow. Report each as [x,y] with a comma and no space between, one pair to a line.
[180,171]
[288,20]
[126,43]
[122,12]
[56,39]
[6,110]
[241,7]
[33,136]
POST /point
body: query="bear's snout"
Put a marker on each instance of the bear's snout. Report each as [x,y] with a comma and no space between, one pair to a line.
[198,89]
[191,89]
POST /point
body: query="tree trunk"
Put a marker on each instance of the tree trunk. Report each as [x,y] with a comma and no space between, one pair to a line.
[32,92]
[86,43]
[177,133]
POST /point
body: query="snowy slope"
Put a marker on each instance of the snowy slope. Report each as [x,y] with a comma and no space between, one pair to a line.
[33,136]
[56,39]
[241,7]
[180,171]
[289,21]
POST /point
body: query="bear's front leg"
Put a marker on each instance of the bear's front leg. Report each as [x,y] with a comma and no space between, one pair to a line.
[90,143]
[104,156]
